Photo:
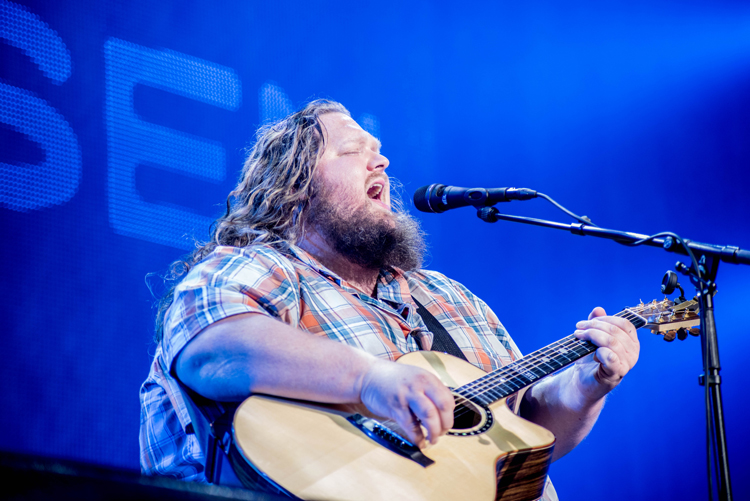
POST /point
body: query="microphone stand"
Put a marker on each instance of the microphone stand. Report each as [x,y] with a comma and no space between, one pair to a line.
[710,256]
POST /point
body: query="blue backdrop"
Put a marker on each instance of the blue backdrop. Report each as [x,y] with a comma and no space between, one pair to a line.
[123,126]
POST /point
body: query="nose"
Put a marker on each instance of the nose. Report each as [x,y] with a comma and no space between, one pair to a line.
[378,161]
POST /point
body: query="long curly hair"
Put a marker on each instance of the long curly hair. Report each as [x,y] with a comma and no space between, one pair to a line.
[269,204]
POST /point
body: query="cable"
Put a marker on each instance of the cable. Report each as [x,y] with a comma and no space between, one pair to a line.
[580,219]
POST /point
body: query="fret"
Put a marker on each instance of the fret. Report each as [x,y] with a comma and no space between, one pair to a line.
[495,393]
[511,387]
[481,398]
[638,322]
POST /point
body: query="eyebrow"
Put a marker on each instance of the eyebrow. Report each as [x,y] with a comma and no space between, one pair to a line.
[362,140]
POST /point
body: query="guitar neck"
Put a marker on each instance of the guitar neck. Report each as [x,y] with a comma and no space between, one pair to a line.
[526,371]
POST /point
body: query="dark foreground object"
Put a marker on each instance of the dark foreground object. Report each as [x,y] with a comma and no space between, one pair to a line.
[32,478]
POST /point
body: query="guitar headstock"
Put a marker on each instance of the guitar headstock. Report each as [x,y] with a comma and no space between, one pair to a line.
[669,319]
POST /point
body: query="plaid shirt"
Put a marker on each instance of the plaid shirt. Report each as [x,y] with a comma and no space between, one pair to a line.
[299,291]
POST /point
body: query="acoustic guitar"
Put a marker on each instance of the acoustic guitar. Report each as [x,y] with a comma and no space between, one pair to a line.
[341,452]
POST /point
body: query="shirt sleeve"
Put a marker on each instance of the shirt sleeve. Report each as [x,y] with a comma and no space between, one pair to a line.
[230,281]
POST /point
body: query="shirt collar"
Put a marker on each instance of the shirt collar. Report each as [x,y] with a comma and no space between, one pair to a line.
[392,285]
[310,261]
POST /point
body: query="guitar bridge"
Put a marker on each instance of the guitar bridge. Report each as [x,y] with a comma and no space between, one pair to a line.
[389,439]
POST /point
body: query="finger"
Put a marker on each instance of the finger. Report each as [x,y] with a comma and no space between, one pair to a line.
[629,341]
[444,402]
[597,312]
[617,327]
[602,339]
[426,412]
[618,322]
[610,365]
[627,335]
[609,334]
[409,423]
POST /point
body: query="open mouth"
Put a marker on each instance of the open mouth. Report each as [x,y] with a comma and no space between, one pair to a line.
[375,192]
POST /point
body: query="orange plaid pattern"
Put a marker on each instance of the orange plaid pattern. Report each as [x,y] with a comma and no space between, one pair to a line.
[294,288]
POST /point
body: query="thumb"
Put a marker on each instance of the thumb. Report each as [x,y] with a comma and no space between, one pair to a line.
[597,312]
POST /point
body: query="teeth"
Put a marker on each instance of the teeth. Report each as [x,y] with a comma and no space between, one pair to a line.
[375,190]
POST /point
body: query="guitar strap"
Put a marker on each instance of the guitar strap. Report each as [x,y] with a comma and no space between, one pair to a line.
[441,340]
[212,424]
[224,464]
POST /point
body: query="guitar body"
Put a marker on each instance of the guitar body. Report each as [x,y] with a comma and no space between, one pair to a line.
[314,452]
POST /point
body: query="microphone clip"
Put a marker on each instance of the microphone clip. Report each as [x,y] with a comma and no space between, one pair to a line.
[488,214]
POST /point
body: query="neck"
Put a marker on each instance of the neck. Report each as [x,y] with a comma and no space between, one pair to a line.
[362,279]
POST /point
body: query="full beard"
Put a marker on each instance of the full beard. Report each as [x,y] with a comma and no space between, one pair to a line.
[366,238]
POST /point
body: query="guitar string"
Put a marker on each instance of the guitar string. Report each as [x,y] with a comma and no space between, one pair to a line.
[521,367]
[543,357]
[542,354]
[461,398]
[515,377]
[510,376]
[510,373]
[488,384]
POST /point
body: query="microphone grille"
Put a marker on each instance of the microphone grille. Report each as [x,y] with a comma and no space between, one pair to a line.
[420,199]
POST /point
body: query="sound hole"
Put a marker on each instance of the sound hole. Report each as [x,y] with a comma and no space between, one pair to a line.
[466,415]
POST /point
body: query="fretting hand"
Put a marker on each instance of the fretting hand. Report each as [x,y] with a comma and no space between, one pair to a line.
[599,373]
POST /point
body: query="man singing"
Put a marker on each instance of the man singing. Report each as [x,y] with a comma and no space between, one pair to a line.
[306,290]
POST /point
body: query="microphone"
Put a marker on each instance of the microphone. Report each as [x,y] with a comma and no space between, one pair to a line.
[440,198]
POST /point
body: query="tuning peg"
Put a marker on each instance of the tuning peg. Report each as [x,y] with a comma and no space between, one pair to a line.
[669,336]
[682,334]
[695,331]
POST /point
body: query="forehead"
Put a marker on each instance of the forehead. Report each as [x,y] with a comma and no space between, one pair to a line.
[340,128]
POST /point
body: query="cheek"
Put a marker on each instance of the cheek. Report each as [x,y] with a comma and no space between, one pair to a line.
[341,190]
[345,186]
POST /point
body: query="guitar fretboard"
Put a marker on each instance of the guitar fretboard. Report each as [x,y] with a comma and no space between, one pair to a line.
[509,379]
